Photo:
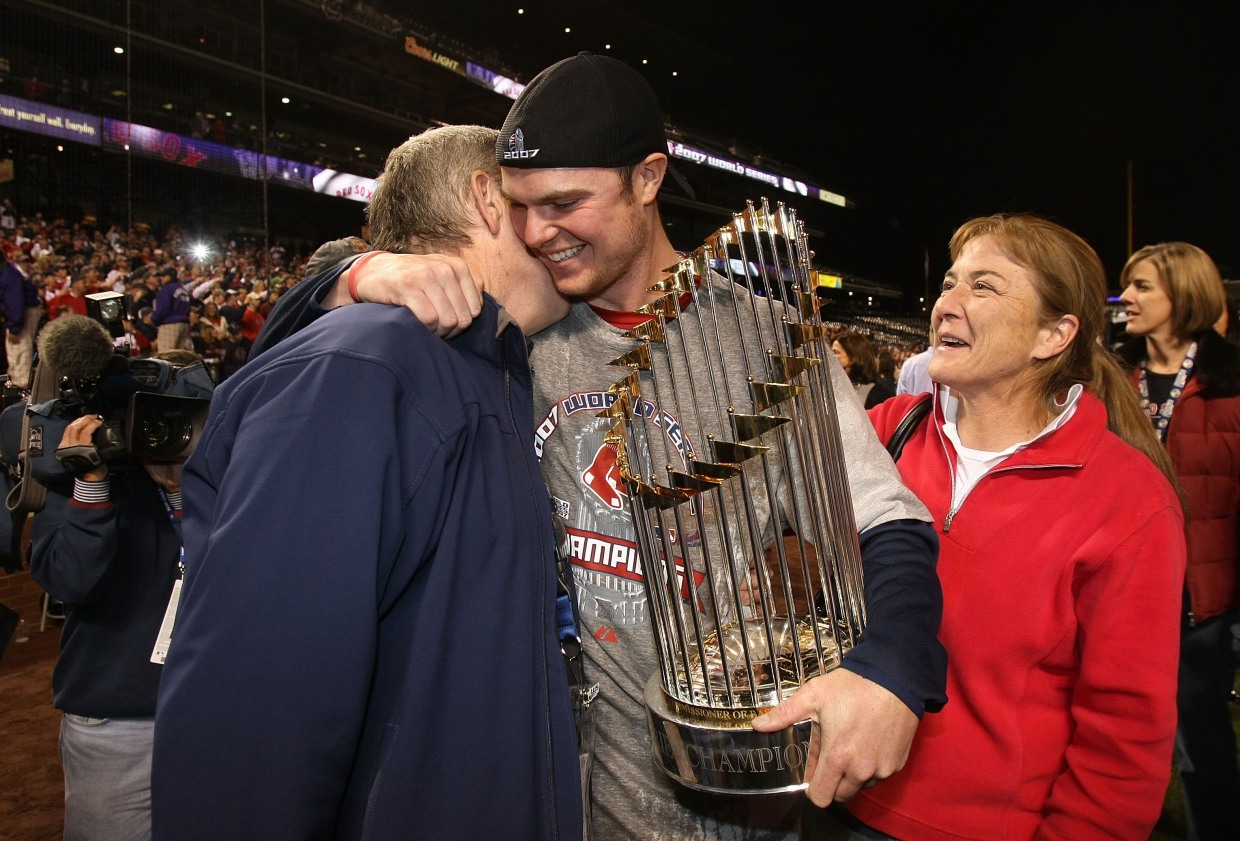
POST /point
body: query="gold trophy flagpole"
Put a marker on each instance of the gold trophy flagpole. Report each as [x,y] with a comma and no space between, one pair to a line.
[739,625]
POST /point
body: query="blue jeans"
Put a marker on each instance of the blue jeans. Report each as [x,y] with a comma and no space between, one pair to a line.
[107,763]
[1205,742]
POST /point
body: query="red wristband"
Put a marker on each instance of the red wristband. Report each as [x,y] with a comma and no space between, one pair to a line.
[355,272]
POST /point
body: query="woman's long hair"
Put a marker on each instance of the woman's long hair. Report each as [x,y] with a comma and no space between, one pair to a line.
[1070,280]
[862,358]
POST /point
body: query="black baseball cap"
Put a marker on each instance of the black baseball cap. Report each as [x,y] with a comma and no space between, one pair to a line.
[585,111]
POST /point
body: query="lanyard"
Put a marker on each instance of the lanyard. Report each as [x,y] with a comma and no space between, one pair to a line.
[1161,415]
[176,527]
[164,639]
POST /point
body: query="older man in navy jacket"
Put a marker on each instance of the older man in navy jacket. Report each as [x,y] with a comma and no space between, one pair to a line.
[367,644]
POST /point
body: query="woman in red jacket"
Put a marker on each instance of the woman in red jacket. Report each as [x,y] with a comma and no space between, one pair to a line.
[1061,558]
[1188,378]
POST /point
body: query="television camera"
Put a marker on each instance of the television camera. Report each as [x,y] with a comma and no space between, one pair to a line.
[153,410]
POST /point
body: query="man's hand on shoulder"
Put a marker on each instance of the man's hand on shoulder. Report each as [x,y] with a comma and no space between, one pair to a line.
[438,289]
[861,733]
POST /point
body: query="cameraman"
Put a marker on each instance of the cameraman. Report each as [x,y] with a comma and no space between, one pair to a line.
[108,545]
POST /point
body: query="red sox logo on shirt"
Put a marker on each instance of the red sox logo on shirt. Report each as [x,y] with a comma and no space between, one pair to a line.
[602,477]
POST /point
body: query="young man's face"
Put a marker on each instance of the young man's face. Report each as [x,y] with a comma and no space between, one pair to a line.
[586,225]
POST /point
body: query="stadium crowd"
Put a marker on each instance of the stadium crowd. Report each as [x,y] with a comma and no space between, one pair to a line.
[232,286]
[229,286]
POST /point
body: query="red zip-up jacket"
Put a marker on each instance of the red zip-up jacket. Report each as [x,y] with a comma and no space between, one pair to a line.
[1203,440]
[1062,572]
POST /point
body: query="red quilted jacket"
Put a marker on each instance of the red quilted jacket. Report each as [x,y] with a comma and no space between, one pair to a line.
[1204,442]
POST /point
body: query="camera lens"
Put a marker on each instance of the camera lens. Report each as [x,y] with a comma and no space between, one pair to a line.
[164,427]
[163,434]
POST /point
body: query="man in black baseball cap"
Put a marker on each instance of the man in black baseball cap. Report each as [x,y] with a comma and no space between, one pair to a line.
[583,156]
[576,120]
[584,111]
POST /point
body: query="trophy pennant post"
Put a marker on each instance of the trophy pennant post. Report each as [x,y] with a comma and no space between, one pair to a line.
[739,622]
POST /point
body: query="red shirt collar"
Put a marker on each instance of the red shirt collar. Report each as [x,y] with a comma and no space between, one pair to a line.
[626,320]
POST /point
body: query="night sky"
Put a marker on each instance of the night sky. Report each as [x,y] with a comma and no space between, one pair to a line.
[927,115]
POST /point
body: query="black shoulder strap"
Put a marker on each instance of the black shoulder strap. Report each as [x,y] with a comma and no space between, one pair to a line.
[911,420]
[29,495]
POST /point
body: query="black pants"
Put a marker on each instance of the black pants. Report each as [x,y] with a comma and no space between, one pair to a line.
[834,823]
[1205,743]
[8,627]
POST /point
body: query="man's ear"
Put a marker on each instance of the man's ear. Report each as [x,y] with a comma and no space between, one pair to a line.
[648,176]
[487,200]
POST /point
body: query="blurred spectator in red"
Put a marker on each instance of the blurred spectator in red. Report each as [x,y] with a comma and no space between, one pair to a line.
[74,298]
[51,282]
[252,320]
[35,89]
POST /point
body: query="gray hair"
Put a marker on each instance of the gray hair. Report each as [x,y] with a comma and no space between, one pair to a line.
[421,201]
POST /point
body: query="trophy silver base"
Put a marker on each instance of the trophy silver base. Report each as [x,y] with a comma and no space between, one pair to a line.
[717,750]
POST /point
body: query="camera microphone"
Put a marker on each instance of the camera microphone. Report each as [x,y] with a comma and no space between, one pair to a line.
[77,347]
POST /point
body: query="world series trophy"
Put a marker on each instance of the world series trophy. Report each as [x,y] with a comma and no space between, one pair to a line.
[714,473]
